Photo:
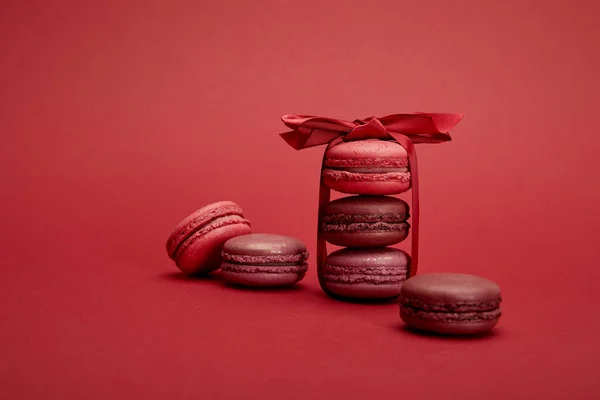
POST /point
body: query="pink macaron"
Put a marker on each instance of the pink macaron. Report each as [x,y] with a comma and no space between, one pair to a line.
[368,273]
[196,242]
[264,260]
[371,166]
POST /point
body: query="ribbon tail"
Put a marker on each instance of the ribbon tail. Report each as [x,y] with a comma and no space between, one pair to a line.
[299,140]
[444,122]
[295,139]
[324,197]
[430,138]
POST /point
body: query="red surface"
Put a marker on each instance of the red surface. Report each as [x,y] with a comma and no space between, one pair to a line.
[119,119]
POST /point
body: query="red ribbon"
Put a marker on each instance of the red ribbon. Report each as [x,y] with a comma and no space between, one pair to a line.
[406,129]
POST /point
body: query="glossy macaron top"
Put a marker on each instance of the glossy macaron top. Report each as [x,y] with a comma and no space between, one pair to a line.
[367,208]
[368,258]
[366,153]
[200,218]
[265,247]
[450,292]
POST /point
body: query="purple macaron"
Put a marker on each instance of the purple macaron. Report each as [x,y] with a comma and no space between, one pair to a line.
[264,260]
[366,221]
[371,273]
[450,303]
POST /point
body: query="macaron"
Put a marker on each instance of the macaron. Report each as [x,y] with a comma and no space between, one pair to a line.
[365,221]
[450,303]
[196,242]
[372,273]
[371,166]
[264,260]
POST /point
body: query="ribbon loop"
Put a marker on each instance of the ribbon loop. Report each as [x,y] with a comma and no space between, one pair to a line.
[308,131]
[373,129]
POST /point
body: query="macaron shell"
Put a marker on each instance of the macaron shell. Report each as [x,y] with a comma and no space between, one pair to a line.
[364,291]
[262,279]
[366,153]
[373,257]
[198,219]
[368,205]
[451,289]
[203,254]
[264,244]
[365,239]
[362,183]
[448,328]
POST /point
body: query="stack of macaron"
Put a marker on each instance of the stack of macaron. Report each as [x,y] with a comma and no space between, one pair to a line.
[367,222]
[219,236]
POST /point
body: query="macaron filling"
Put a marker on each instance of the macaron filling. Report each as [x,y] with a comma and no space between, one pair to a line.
[440,316]
[272,264]
[365,227]
[265,268]
[456,307]
[278,259]
[374,162]
[372,275]
[339,175]
[356,218]
[364,170]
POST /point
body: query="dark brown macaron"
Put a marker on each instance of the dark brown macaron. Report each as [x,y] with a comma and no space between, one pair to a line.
[366,221]
[450,303]
[264,260]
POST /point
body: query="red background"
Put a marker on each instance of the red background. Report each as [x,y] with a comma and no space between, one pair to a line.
[119,118]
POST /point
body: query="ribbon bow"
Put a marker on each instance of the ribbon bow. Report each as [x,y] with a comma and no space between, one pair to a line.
[308,131]
[406,129]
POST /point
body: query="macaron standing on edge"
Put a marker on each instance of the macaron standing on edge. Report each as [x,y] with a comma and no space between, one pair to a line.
[450,303]
[366,221]
[264,260]
[196,242]
[371,166]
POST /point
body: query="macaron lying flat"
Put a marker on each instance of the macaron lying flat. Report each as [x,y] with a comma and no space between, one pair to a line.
[374,273]
[449,303]
[196,242]
[369,166]
[264,260]
[366,221]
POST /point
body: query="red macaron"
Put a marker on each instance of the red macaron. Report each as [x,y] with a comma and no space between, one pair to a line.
[196,242]
[371,166]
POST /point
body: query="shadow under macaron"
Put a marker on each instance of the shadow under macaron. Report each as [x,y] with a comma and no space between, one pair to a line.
[178,276]
[267,289]
[366,301]
[404,329]
[215,278]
